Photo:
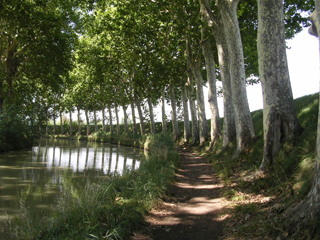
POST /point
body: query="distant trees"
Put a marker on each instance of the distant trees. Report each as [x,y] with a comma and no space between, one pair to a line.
[113,54]
[97,56]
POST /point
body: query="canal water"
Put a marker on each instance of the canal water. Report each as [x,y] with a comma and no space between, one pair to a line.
[35,177]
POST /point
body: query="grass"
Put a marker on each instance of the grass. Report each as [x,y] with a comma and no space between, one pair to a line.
[257,205]
[111,210]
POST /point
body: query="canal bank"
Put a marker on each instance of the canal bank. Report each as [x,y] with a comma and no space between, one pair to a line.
[113,206]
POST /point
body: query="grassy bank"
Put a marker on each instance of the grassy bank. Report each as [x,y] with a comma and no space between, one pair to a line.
[110,210]
[125,139]
[256,206]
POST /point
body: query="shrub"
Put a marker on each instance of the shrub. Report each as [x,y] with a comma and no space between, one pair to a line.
[15,130]
[159,144]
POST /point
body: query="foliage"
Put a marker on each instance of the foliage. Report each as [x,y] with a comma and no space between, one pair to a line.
[159,144]
[100,136]
[256,198]
[56,56]
[36,42]
[16,130]
[110,210]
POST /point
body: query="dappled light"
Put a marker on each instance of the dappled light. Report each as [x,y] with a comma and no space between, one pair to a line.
[256,203]
[82,75]
[192,210]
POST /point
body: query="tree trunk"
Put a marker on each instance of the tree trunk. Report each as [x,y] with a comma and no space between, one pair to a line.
[186,125]
[194,119]
[79,122]
[95,120]
[142,128]
[176,132]
[229,126]
[308,211]
[152,124]
[134,124]
[163,110]
[47,123]
[203,125]
[54,125]
[71,125]
[2,102]
[212,93]
[125,117]
[103,119]
[61,123]
[87,119]
[110,119]
[280,121]
[117,118]
[216,25]
[243,120]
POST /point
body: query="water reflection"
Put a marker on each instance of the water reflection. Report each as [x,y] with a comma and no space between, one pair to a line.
[36,177]
[80,158]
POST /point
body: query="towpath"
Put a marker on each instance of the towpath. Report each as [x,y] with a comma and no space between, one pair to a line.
[192,210]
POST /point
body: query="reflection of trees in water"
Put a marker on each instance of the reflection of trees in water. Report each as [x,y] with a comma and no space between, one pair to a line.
[36,178]
[39,176]
[85,156]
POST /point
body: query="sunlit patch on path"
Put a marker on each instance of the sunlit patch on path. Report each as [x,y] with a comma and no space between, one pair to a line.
[192,211]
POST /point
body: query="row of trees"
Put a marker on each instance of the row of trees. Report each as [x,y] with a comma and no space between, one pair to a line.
[61,56]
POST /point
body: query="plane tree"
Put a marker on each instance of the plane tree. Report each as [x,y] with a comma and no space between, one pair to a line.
[308,210]
[35,43]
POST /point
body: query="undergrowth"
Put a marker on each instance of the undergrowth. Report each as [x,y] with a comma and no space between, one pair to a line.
[257,204]
[16,131]
[110,210]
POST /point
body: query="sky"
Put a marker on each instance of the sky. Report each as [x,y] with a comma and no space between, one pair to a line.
[303,62]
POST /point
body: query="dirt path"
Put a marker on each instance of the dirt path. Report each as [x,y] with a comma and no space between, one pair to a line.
[193,210]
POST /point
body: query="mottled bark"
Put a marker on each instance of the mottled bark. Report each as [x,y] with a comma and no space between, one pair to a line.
[163,111]
[87,119]
[125,117]
[194,119]
[186,125]
[71,125]
[152,124]
[215,132]
[216,25]
[308,211]
[142,127]
[280,121]
[243,120]
[117,118]
[134,125]
[110,119]
[176,132]
[203,125]
[229,126]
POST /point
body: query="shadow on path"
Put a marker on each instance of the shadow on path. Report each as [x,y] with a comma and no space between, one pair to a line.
[192,211]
